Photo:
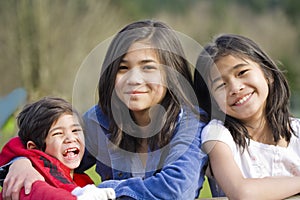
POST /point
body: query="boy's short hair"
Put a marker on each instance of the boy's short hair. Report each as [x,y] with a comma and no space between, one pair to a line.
[36,119]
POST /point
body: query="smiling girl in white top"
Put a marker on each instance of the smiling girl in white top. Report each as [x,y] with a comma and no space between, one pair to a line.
[252,141]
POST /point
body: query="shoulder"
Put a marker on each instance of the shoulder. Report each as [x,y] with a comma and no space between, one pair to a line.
[95,115]
[295,139]
[192,116]
[42,190]
[295,123]
[216,131]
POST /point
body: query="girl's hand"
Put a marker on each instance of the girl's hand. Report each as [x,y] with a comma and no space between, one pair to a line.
[21,174]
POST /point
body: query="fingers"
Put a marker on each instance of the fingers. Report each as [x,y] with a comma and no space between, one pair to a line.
[110,193]
[30,179]
[21,174]
[27,187]
[107,194]
[11,189]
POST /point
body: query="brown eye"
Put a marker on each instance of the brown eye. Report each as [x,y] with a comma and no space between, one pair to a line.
[149,67]
[77,130]
[57,133]
[123,68]
[220,86]
[242,72]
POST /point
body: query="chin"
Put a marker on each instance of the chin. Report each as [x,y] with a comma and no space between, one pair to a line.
[72,165]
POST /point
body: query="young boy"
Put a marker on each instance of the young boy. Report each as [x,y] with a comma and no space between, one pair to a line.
[51,136]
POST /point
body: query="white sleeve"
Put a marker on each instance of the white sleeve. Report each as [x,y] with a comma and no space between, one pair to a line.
[91,192]
[216,131]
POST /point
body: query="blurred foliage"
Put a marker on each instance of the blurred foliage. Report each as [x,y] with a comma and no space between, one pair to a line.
[144,9]
[44,42]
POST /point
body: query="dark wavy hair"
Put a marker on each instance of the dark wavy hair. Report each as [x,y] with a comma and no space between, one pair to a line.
[36,119]
[277,105]
[170,53]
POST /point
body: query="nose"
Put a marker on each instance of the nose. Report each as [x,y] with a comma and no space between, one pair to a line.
[134,77]
[235,88]
[70,137]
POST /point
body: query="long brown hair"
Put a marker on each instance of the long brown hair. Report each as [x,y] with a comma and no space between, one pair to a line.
[170,53]
[277,105]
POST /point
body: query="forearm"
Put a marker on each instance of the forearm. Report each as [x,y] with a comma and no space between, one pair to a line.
[21,174]
[5,168]
[266,188]
[180,179]
[230,178]
[3,172]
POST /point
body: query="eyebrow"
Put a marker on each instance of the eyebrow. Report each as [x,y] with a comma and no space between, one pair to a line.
[234,67]
[56,128]
[142,61]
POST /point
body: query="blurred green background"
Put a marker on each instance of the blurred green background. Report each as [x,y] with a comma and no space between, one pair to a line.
[44,42]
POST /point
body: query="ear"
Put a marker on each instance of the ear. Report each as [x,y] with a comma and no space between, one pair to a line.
[31,145]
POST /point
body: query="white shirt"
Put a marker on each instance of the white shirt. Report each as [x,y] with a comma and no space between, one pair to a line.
[259,160]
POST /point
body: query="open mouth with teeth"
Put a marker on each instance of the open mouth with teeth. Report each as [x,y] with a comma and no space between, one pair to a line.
[71,152]
[242,100]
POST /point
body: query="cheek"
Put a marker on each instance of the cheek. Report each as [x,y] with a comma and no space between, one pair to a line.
[158,89]
[118,79]
[160,92]
[118,86]
[52,145]
[82,139]
[50,150]
[221,104]
[220,98]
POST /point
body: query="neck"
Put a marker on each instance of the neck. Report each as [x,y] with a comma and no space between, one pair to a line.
[260,131]
[142,119]
[72,173]
[263,133]
[143,151]
[143,145]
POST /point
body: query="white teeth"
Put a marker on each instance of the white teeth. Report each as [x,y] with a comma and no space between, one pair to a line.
[243,99]
[70,150]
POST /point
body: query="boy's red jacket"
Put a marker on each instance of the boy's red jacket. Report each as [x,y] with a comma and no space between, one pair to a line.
[58,182]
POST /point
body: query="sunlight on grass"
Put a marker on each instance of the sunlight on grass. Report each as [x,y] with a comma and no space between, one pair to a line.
[205,192]
[93,174]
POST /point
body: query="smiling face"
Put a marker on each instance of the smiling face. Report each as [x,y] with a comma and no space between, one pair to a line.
[65,141]
[140,80]
[239,87]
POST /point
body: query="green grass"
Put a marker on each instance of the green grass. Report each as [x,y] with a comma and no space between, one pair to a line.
[93,174]
[205,192]
[8,131]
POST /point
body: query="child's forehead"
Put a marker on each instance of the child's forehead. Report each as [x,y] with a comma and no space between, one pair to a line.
[65,118]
